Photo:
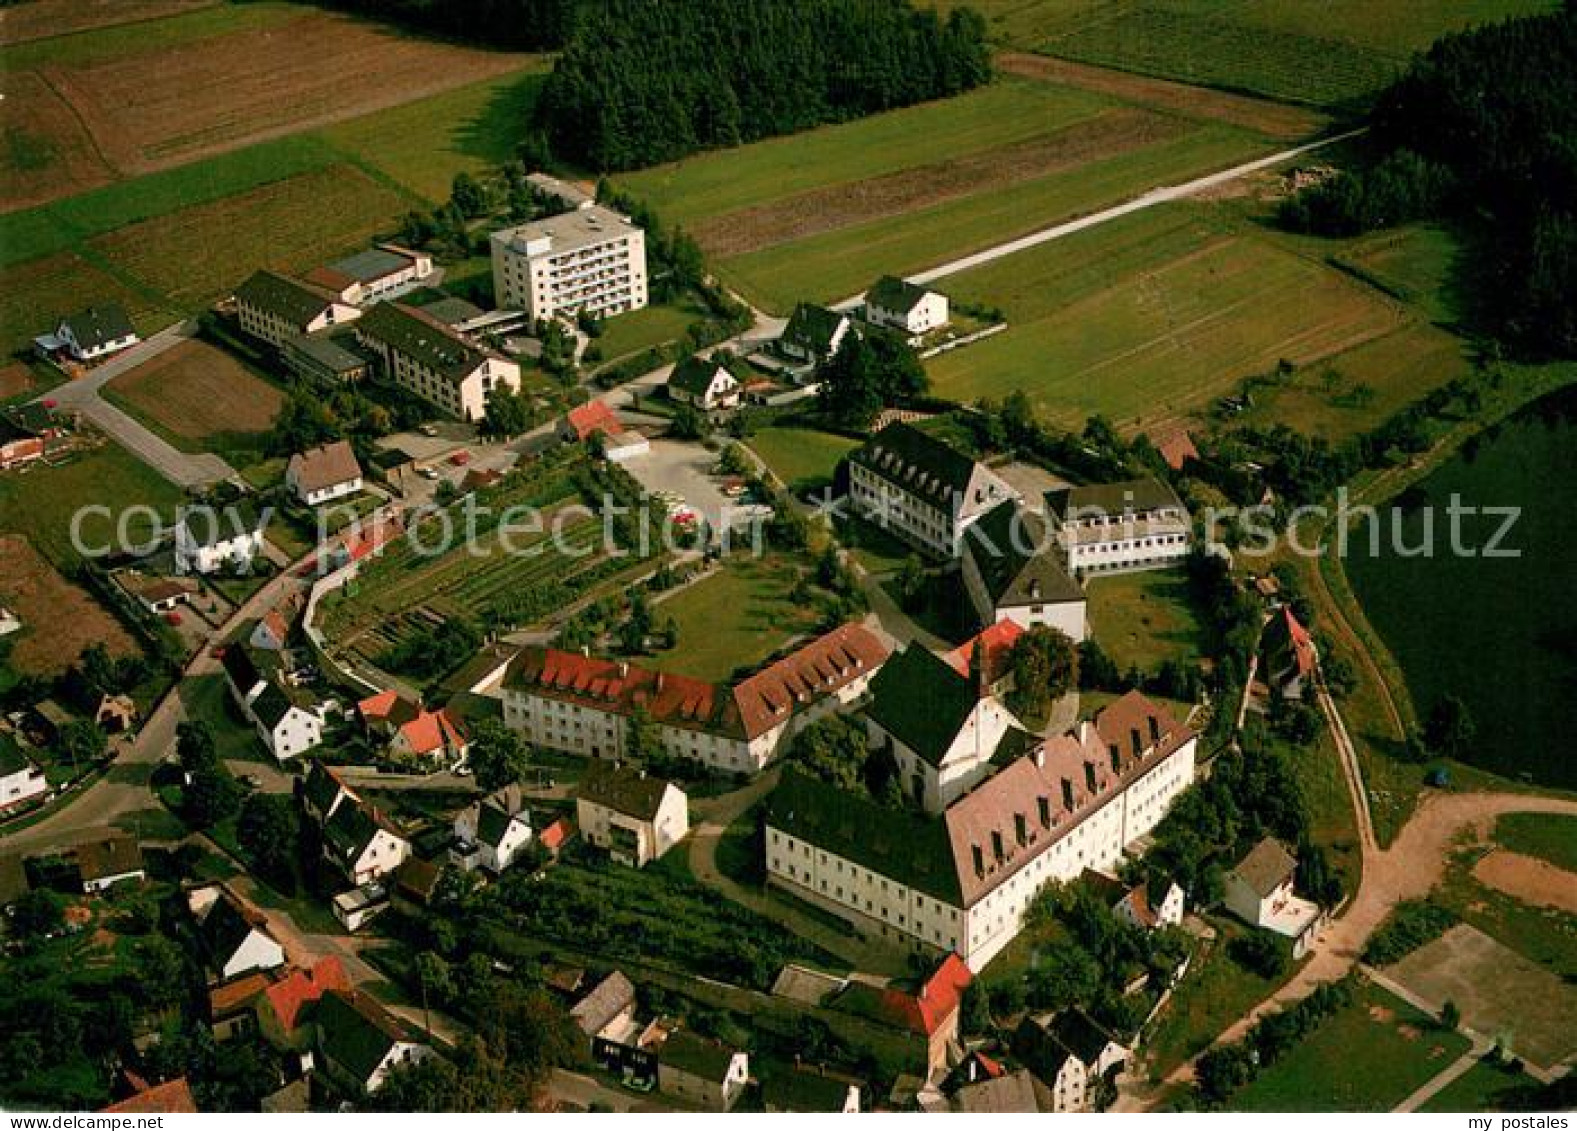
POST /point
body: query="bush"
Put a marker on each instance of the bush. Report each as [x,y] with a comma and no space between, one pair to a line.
[1260,952]
[1409,926]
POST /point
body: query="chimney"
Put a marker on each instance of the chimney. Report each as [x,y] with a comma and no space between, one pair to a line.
[1045,811]
[1089,776]
[1021,828]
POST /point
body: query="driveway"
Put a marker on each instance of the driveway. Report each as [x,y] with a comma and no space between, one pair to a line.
[83,396]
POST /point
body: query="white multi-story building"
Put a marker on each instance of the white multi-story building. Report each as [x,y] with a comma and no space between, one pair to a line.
[580,705]
[1117,527]
[211,538]
[590,259]
[434,361]
[275,308]
[636,818]
[1014,570]
[922,489]
[962,880]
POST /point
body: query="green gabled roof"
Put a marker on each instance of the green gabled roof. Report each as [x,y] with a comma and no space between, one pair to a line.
[698,1056]
[322,787]
[918,462]
[812,327]
[1137,495]
[694,375]
[222,522]
[12,760]
[1018,560]
[349,831]
[99,325]
[284,297]
[895,294]
[492,823]
[421,337]
[356,1032]
[920,700]
[911,848]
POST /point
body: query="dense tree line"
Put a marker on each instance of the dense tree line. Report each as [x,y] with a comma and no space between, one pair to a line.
[1485,122]
[640,83]
[526,25]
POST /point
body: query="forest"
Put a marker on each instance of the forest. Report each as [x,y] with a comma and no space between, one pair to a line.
[522,25]
[640,83]
[1483,126]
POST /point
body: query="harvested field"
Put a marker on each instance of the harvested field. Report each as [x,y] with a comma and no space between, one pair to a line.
[44,151]
[844,205]
[1498,990]
[152,109]
[44,19]
[1287,123]
[42,596]
[33,295]
[1534,881]
[195,254]
[198,393]
[15,379]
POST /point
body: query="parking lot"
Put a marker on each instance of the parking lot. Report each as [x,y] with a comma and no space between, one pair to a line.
[684,473]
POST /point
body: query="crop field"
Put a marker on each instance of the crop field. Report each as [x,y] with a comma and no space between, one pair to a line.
[1148,318]
[44,151]
[1324,54]
[34,294]
[200,397]
[423,144]
[195,254]
[60,619]
[45,19]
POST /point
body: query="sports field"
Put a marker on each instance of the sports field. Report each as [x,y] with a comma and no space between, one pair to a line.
[199,397]
[1150,317]
[1325,54]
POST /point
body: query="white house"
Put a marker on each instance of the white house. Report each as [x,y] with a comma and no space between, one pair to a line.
[323,474]
[813,333]
[209,539]
[1068,1053]
[922,489]
[706,384]
[1116,527]
[101,864]
[360,1042]
[962,880]
[235,938]
[637,818]
[434,361]
[289,723]
[275,308]
[93,333]
[1013,570]
[20,780]
[591,260]
[1259,890]
[702,1073]
[903,306]
[490,833]
[362,843]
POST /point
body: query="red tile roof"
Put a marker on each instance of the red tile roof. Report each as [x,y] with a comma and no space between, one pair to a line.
[592,417]
[226,999]
[821,668]
[557,834]
[1302,644]
[927,1010]
[433,731]
[998,641]
[174,1097]
[1177,448]
[289,996]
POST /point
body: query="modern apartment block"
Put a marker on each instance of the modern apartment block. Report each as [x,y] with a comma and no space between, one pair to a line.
[590,259]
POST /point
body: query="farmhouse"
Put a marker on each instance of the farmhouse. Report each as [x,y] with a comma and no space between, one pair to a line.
[361,1042]
[1259,890]
[580,705]
[20,780]
[705,384]
[1013,570]
[589,260]
[911,483]
[961,880]
[324,473]
[707,1074]
[274,307]
[635,817]
[912,310]
[91,334]
[813,333]
[491,832]
[209,539]
[1115,527]
[383,272]
[1289,654]
[421,354]
[235,938]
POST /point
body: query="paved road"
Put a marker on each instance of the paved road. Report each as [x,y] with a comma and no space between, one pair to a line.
[1163,195]
[82,395]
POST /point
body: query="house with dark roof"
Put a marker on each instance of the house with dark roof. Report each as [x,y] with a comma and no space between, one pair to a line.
[942,728]
[1010,1093]
[606,1007]
[378,273]
[814,333]
[103,863]
[1014,570]
[275,307]
[324,473]
[921,488]
[960,879]
[704,383]
[1117,527]
[1290,658]
[1148,906]
[900,305]
[1069,1053]
[323,792]
[327,358]
[362,843]
[634,816]
[701,1073]
[808,1088]
[360,1042]
[213,538]
[21,780]
[235,937]
[491,832]
[434,361]
[289,720]
[91,334]
[1259,889]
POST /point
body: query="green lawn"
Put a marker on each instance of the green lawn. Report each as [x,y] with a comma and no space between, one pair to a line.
[1482,1088]
[1369,1057]
[1141,619]
[1417,264]
[1331,824]
[1549,836]
[735,618]
[797,455]
[207,699]
[638,330]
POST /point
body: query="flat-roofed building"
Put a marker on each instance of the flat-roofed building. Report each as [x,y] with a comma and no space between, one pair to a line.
[591,260]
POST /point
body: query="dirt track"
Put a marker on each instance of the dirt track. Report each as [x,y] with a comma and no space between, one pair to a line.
[1535,882]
